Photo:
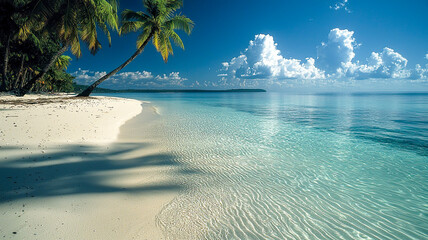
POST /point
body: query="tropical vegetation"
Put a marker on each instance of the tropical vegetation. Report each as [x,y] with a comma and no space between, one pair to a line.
[36,33]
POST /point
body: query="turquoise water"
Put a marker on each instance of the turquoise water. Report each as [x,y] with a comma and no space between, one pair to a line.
[278,166]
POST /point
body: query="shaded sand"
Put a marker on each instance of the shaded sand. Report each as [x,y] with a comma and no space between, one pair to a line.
[57,185]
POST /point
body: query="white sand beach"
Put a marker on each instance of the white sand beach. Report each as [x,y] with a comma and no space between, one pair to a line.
[72,169]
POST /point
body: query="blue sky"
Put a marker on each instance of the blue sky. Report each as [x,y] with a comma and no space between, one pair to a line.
[353,45]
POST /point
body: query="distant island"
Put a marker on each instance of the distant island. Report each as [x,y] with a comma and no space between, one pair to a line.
[78,88]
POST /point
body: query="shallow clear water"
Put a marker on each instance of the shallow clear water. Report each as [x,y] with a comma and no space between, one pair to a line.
[278,166]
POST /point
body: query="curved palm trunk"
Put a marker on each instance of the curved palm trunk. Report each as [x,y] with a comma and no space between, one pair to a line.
[3,85]
[24,90]
[89,89]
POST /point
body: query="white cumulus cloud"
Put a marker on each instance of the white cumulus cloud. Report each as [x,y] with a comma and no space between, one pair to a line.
[338,51]
[128,80]
[262,64]
[336,58]
[419,72]
[172,78]
[386,64]
[263,61]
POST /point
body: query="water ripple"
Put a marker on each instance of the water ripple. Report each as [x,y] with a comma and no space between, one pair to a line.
[271,172]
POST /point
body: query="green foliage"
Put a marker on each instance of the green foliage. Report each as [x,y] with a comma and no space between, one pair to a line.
[160,22]
[72,21]
[27,58]
[58,81]
[62,62]
[34,32]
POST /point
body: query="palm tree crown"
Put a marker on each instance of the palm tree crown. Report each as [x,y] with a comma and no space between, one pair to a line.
[73,21]
[160,21]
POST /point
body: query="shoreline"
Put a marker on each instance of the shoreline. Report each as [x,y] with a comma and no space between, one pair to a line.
[110,184]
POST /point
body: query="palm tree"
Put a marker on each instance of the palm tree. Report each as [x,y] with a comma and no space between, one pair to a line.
[9,27]
[72,21]
[158,25]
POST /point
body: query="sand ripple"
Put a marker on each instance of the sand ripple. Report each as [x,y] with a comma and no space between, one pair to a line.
[262,178]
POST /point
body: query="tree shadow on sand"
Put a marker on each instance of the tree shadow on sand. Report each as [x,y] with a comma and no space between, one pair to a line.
[82,169]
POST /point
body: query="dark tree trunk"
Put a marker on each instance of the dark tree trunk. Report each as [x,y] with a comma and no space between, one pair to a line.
[3,85]
[24,90]
[28,75]
[89,90]
[20,74]
[20,83]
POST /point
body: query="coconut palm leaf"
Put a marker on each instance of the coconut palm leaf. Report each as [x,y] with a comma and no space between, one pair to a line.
[62,62]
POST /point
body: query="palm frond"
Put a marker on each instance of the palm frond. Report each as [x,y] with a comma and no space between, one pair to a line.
[143,37]
[104,28]
[129,15]
[180,22]
[173,5]
[156,41]
[75,44]
[36,41]
[106,13]
[62,62]
[165,47]
[152,7]
[128,27]
[174,36]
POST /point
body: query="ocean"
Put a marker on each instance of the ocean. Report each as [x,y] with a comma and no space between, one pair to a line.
[287,166]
